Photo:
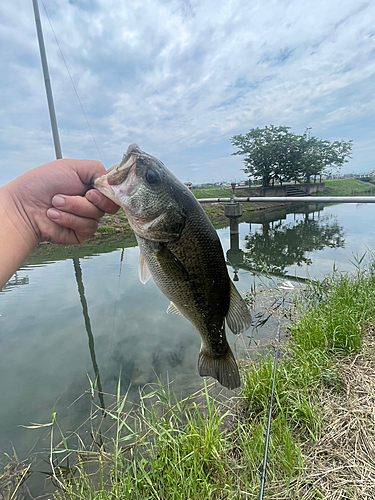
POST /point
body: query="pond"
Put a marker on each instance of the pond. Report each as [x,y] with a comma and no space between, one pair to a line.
[64,321]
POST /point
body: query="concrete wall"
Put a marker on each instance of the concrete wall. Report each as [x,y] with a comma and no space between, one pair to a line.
[313,187]
[281,190]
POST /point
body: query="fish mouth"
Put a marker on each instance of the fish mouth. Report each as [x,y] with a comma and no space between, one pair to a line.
[115,175]
[101,184]
[120,173]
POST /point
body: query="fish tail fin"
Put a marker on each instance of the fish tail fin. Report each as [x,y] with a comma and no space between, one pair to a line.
[223,369]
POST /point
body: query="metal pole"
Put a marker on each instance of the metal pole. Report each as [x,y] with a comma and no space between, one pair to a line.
[47,82]
[292,199]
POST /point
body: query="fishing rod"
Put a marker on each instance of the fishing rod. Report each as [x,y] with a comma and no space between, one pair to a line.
[58,153]
[47,82]
[265,456]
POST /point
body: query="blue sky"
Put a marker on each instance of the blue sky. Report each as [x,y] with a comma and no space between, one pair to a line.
[181,77]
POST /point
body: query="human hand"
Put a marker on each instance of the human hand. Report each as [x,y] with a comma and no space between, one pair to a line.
[49,202]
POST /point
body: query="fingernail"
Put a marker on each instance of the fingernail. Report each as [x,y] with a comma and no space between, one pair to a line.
[58,201]
[94,197]
[53,214]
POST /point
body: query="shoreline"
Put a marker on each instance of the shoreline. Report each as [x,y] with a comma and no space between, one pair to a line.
[115,230]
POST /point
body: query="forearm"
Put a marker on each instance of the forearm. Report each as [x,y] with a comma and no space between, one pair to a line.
[17,239]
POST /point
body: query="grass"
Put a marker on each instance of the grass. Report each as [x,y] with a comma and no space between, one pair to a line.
[212,192]
[107,229]
[321,441]
[346,187]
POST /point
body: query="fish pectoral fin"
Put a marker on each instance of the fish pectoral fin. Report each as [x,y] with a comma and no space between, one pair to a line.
[238,317]
[223,369]
[167,226]
[170,264]
[172,309]
[143,270]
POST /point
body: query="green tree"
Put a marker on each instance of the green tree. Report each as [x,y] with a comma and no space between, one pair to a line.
[277,153]
[267,152]
[316,156]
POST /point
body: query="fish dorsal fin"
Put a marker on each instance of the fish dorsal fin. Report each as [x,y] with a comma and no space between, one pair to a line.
[172,309]
[238,317]
[143,270]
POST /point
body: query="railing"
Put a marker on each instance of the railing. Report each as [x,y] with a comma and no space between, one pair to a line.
[291,199]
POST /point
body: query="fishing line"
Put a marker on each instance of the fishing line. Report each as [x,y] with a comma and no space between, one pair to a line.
[265,456]
[71,79]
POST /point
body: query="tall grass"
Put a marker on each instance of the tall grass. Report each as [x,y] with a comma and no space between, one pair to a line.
[201,449]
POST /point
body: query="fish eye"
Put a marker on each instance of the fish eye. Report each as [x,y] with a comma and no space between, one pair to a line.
[151,176]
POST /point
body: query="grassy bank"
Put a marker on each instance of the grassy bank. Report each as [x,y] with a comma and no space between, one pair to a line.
[347,187]
[322,435]
[212,192]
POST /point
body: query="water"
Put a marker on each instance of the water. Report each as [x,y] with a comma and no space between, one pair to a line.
[48,353]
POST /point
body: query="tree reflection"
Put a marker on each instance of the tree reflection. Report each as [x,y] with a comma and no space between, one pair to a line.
[277,245]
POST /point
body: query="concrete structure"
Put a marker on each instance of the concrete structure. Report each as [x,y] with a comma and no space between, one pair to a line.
[233,211]
[307,188]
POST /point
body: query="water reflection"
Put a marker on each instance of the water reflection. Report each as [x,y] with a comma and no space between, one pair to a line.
[235,255]
[15,281]
[85,311]
[278,244]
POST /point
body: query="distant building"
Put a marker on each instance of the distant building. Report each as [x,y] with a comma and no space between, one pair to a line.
[188,184]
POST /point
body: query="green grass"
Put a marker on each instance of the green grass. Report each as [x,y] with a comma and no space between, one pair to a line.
[107,229]
[346,187]
[212,192]
[197,448]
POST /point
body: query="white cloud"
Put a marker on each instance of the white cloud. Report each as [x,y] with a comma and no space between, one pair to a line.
[182,77]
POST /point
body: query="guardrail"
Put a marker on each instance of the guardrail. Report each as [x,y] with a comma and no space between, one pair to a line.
[292,199]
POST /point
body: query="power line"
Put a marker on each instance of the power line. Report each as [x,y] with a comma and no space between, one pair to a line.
[71,79]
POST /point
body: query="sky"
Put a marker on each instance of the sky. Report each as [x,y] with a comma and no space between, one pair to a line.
[181,77]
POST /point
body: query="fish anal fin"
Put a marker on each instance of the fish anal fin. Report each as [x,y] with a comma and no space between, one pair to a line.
[143,270]
[172,309]
[238,317]
[223,369]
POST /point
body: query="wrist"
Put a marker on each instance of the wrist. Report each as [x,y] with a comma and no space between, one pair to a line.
[19,220]
[17,236]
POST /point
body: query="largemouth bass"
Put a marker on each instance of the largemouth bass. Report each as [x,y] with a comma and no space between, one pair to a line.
[180,248]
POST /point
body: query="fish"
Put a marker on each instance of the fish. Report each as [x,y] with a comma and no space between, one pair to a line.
[181,250]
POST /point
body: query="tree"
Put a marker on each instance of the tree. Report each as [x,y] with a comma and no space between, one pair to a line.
[267,152]
[277,153]
[316,156]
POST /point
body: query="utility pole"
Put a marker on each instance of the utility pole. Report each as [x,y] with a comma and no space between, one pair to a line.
[47,82]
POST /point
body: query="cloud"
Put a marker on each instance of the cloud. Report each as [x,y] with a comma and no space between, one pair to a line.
[182,77]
